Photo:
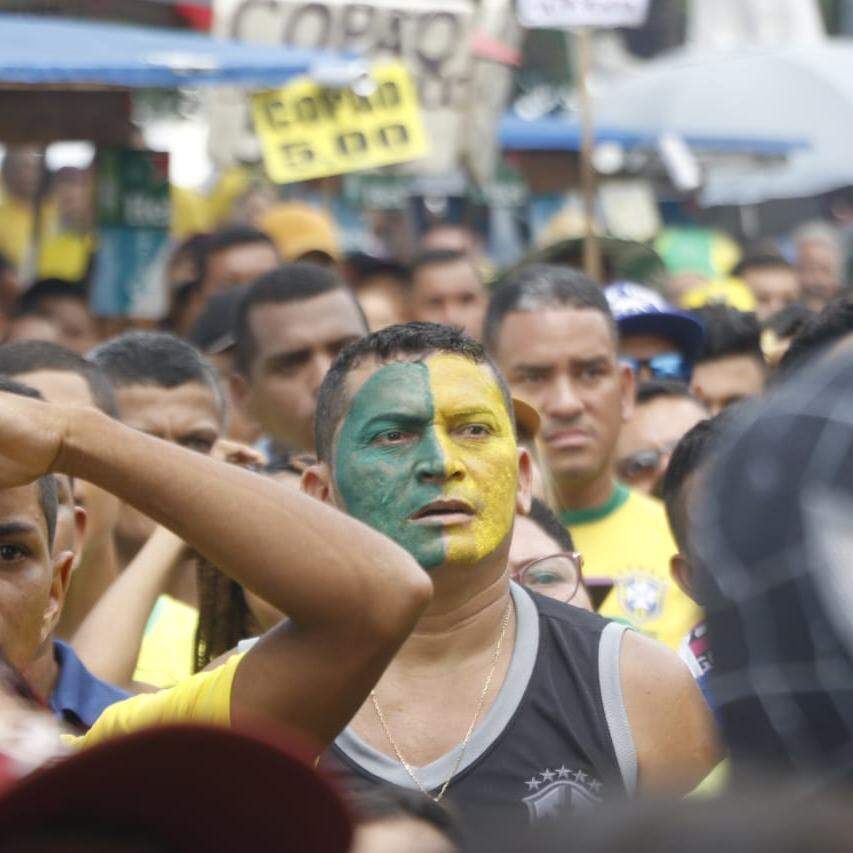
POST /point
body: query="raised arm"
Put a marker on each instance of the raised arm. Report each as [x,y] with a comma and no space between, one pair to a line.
[109,646]
[351,594]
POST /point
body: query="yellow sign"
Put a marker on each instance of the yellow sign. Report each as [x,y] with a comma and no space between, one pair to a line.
[307,131]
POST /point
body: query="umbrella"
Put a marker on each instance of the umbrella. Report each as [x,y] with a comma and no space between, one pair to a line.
[46,51]
[783,92]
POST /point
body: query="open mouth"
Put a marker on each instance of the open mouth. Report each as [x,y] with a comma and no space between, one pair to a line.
[443,512]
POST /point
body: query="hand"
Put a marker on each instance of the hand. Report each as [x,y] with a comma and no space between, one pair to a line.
[31,438]
[169,548]
[238,454]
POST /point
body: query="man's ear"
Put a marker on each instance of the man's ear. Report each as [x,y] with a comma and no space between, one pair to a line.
[524,493]
[81,522]
[240,390]
[61,580]
[317,482]
[629,391]
[679,569]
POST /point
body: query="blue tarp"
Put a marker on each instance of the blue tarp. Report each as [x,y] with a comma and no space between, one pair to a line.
[43,50]
[562,134]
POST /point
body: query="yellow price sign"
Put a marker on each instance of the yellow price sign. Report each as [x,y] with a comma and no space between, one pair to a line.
[308,131]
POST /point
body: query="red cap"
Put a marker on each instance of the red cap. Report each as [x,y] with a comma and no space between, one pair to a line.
[193,787]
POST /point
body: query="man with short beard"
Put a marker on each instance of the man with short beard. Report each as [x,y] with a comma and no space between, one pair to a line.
[552,332]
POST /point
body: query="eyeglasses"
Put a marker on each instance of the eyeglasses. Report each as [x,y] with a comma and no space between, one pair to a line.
[667,365]
[557,575]
[641,464]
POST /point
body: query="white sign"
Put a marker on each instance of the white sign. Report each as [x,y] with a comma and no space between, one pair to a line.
[563,14]
[431,36]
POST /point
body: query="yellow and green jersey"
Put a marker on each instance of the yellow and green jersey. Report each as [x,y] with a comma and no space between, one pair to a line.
[627,540]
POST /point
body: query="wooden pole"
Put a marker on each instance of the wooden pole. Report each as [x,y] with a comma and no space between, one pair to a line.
[591,249]
[28,272]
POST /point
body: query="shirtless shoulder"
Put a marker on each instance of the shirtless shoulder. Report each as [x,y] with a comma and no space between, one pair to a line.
[674,731]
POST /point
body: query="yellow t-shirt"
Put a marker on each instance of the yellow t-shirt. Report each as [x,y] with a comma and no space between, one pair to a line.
[204,698]
[168,645]
[628,540]
[16,227]
[66,255]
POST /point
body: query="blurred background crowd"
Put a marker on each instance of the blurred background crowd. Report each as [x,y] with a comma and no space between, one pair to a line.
[685,177]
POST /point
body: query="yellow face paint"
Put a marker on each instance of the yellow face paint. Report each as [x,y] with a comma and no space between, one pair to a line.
[475,433]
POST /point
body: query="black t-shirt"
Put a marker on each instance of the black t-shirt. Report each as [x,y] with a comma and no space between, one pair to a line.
[556,738]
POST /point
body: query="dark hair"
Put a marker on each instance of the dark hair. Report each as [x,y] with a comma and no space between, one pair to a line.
[193,247]
[831,324]
[386,802]
[295,282]
[32,299]
[788,321]
[361,268]
[729,332]
[654,389]
[228,238]
[224,617]
[691,453]
[764,259]
[438,257]
[539,286]
[48,492]
[546,520]
[155,358]
[407,339]
[30,356]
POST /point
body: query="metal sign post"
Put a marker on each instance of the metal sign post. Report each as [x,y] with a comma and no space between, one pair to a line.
[581,16]
[591,248]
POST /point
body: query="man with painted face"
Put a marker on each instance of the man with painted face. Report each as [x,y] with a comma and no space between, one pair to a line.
[553,334]
[513,705]
[311,673]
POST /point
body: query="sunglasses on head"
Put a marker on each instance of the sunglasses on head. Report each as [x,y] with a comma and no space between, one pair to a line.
[667,365]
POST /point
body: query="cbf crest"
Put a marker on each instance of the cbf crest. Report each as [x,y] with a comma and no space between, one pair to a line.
[554,792]
[641,597]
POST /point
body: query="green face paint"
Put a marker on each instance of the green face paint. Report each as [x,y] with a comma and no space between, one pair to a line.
[421,432]
[381,470]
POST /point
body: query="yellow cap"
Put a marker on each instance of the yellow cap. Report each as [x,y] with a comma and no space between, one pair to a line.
[297,229]
[729,291]
[527,419]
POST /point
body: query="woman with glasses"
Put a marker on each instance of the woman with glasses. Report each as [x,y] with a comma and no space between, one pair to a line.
[543,557]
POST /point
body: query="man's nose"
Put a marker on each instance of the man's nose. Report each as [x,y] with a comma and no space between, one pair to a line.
[431,464]
[563,401]
[430,468]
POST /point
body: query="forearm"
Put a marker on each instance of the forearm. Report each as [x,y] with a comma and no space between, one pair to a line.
[228,514]
[109,646]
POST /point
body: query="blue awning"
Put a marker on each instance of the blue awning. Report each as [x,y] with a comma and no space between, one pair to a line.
[562,134]
[43,50]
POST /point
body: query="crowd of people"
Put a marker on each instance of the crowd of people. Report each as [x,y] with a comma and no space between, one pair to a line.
[357,552]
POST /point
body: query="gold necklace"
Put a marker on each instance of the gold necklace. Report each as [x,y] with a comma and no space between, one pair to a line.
[408,767]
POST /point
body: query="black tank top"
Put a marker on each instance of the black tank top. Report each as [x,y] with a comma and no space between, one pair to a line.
[556,738]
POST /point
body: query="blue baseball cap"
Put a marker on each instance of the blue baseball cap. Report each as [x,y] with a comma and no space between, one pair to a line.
[640,310]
